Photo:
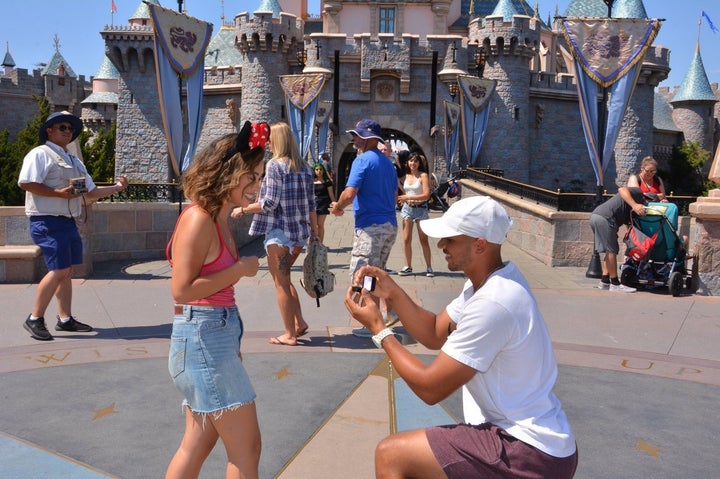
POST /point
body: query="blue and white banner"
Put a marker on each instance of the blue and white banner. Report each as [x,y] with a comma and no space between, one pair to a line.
[608,54]
[301,94]
[180,44]
[475,95]
[452,133]
[322,125]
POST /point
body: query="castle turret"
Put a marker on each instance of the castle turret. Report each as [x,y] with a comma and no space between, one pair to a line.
[63,89]
[693,104]
[269,44]
[140,146]
[8,63]
[99,109]
[509,41]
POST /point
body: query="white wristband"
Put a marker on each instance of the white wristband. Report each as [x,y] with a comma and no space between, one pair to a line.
[378,338]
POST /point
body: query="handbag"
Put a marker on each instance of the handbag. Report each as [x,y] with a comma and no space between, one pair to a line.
[638,243]
[317,278]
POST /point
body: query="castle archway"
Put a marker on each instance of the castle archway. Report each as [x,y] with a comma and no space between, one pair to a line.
[348,154]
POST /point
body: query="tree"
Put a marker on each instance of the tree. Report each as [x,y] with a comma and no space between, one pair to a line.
[686,174]
[12,154]
[99,153]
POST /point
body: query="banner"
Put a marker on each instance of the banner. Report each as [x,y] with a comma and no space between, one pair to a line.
[322,124]
[301,93]
[180,44]
[608,55]
[475,95]
[452,131]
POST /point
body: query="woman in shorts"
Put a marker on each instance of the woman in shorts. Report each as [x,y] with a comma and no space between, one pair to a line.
[204,359]
[416,189]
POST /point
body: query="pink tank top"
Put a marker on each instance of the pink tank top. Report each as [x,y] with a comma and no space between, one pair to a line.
[224,297]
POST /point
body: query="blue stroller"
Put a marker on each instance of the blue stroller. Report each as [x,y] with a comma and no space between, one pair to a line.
[656,256]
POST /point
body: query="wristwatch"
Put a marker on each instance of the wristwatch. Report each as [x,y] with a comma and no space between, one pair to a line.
[378,338]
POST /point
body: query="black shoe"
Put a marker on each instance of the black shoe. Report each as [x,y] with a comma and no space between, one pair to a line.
[37,329]
[72,325]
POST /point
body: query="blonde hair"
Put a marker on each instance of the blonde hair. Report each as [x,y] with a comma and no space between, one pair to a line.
[216,171]
[283,145]
[648,161]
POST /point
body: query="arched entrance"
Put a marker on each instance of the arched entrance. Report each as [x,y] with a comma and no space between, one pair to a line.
[348,154]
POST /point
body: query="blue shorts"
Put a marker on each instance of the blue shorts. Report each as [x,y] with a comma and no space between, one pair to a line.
[414,213]
[203,360]
[278,237]
[58,239]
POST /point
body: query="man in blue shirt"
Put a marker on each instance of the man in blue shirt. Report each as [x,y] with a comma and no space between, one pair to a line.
[372,190]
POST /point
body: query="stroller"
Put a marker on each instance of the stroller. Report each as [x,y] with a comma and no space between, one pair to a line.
[656,256]
[440,187]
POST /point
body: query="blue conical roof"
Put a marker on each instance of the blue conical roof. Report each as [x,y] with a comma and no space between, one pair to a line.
[695,86]
[142,11]
[598,8]
[8,60]
[107,70]
[54,64]
[270,6]
[506,9]
[221,51]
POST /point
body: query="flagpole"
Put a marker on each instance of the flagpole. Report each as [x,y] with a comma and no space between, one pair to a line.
[180,202]
[595,267]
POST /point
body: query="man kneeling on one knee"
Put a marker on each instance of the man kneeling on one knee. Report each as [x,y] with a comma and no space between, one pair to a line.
[493,344]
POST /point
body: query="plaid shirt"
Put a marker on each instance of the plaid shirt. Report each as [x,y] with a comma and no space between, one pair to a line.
[287,198]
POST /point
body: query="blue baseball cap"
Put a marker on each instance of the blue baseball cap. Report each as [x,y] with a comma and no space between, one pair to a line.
[367,129]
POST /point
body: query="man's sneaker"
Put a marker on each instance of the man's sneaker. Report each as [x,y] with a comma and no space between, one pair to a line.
[362,333]
[72,325]
[406,271]
[37,329]
[602,285]
[621,288]
[430,273]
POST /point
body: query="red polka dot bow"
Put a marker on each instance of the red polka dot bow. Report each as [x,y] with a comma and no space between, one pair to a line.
[259,134]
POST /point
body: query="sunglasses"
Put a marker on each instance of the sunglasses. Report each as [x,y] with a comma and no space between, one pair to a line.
[65,128]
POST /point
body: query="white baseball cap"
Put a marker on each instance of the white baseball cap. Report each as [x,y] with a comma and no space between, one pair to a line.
[475,216]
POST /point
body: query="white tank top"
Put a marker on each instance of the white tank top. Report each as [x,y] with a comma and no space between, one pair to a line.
[414,189]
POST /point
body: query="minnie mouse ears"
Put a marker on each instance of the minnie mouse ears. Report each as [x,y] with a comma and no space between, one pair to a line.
[252,136]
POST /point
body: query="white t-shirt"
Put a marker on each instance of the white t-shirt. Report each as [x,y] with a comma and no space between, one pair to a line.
[501,333]
[55,171]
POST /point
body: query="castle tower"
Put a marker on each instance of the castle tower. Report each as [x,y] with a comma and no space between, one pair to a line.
[509,40]
[140,145]
[269,42]
[99,109]
[63,89]
[693,104]
[8,63]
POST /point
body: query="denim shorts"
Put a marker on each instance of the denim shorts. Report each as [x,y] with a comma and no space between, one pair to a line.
[58,239]
[278,237]
[414,213]
[203,360]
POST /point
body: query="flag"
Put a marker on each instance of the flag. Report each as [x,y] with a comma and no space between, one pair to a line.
[113,7]
[710,23]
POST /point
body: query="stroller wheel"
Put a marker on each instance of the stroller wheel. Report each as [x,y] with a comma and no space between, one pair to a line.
[675,284]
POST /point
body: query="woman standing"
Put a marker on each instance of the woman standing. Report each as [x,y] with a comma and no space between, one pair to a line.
[323,197]
[647,180]
[414,209]
[204,359]
[285,213]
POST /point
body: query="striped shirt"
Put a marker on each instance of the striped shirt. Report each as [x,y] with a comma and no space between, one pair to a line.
[286,198]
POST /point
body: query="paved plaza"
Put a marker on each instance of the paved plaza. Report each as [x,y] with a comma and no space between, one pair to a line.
[639,376]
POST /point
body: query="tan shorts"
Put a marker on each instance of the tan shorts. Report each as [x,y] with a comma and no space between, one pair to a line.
[371,246]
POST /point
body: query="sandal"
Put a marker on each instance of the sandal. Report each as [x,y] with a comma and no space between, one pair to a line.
[277,341]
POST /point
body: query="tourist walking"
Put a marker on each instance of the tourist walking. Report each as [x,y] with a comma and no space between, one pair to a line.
[414,201]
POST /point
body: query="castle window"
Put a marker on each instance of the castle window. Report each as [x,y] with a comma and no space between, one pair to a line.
[386,20]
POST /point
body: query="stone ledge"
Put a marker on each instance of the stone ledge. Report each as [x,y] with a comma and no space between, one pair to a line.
[19,252]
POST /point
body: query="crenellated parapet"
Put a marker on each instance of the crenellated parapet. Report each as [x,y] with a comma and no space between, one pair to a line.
[519,37]
[655,66]
[129,46]
[264,33]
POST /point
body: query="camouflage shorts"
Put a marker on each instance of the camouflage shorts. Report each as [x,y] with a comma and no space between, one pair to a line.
[372,245]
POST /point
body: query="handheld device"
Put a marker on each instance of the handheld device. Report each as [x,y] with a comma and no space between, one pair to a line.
[369,283]
[78,185]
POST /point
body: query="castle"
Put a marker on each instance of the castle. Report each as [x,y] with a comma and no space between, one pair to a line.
[394,63]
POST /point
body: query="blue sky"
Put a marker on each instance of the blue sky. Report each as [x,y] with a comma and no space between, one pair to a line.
[30,26]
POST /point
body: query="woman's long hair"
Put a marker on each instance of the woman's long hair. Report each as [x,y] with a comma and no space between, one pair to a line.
[422,167]
[325,175]
[283,145]
[216,171]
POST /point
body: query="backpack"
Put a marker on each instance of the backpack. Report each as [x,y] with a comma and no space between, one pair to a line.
[317,278]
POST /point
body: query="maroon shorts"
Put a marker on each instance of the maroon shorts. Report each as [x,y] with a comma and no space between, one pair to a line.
[489,452]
